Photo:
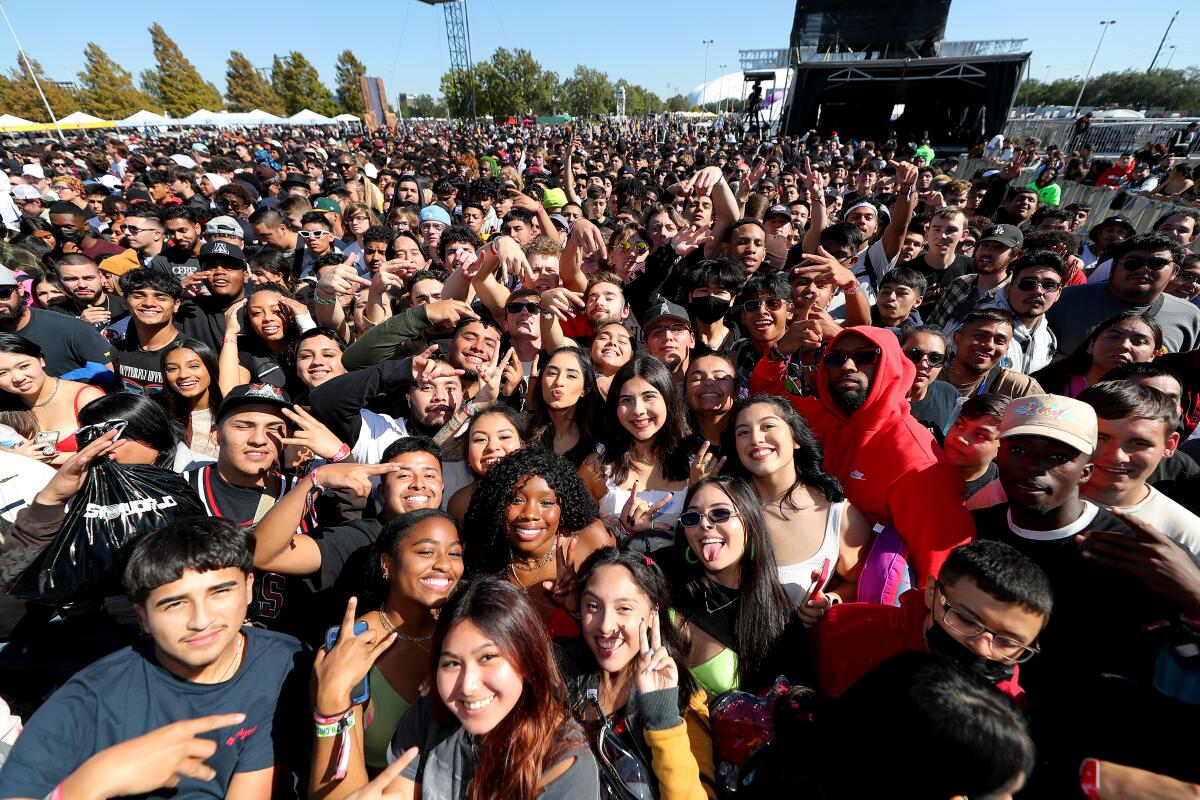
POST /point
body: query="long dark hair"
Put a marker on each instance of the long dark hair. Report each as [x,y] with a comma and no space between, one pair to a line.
[587,410]
[537,732]
[668,447]
[147,422]
[764,610]
[489,551]
[807,456]
[1054,377]
[375,586]
[651,582]
[495,409]
[172,402]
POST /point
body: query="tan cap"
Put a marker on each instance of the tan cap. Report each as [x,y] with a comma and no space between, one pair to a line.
[1052,416]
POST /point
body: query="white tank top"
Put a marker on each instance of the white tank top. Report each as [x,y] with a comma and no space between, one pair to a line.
[666,518]
[797,578]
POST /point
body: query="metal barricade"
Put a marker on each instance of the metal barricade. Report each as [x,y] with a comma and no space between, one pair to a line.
[1108,138]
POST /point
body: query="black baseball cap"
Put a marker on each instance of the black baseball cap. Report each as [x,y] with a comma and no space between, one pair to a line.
[213,251]
[664,309]
[1114,220]
[253,394]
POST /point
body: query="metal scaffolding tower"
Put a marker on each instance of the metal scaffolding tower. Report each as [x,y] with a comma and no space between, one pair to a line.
[458,38]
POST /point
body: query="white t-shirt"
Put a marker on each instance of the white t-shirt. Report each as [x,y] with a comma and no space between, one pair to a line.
[1169,518]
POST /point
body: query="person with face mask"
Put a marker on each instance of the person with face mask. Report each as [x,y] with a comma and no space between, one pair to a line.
[711,287]
[68,222]
[984,611]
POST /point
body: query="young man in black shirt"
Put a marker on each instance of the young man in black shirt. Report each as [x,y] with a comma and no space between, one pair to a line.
[940,263]
[153,299]
[223,273]
[1120,588]
[190,584]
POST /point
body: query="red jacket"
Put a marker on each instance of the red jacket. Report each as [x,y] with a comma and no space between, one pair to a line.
[887,462]
[854,638]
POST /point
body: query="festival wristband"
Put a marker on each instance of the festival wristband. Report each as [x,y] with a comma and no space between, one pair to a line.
[321,719]
[230,340]
[330,730]
[341,455]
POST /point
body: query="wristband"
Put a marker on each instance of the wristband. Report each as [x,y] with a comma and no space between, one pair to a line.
[319,299]
[1089,778]
[852,290]
[341,455]
[332,729]
[312,476]
[777,356]
[230,340]
[321,719]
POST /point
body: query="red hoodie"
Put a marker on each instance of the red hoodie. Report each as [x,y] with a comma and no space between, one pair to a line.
[887,462]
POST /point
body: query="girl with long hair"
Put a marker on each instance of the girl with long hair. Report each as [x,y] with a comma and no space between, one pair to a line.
[710,389]
[611,349]
[46,292]
[191,393]
[492,434]
[413,568]
[809,520]
[640,684]
[273,320]
[565,405]
[495,724]
[316,357]
[638,475]
[731,606]
[531,514]
[1130,336]
[55,402]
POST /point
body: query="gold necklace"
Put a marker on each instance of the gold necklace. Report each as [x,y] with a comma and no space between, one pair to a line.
[390,628]
[48,400]
[237,657]
[541,562]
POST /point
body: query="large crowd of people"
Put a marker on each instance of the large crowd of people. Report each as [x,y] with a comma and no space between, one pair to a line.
[635,459]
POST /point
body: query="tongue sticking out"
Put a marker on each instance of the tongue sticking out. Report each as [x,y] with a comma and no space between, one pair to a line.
[710,551]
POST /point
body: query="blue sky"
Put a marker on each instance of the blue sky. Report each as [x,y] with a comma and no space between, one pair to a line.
[656,43]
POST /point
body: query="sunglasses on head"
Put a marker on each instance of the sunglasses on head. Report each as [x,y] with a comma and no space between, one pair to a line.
[1134,263]
[1046,285]
[773,303]
[313,234]
[691,519]
[861,358]
[517,307]
[916,355]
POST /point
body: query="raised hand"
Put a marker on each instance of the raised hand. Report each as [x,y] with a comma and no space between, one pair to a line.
[655,669]
[1014,167]
[638,515]
[339,670]
[561,302]
[490,378]
[233,325]
[70,477]
[704,181]
[310,432]
[425,368]
[341,280]
[703,465]
[588,239]
[511,374]
[390,784]
[563,591]
[352,477]
[688,240]
[449,312]
[906,172]
[1148,556]
[294,307]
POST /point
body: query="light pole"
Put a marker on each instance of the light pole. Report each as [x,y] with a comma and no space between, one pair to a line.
[1103,30]
[704,85]
[1169,57]
[721,100]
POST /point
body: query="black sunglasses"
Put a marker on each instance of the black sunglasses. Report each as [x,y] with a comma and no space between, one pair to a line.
[916,355]
[691,519]
[773,304]
[517,308]
[1046,285]
[7,292]
[1134,263]
[861,358]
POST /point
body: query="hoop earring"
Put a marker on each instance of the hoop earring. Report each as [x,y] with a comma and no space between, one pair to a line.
[690,556]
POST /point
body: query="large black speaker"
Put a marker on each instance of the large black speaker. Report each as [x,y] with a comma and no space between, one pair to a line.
[884,28]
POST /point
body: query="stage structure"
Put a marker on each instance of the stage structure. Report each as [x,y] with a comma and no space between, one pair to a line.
[879,67]
[377,114]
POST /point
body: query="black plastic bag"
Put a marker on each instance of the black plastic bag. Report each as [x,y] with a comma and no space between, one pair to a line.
[118,504]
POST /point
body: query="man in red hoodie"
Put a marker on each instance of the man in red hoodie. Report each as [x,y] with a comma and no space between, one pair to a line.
[887,462]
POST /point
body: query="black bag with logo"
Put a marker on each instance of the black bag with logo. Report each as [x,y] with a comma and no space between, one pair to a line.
[117,506]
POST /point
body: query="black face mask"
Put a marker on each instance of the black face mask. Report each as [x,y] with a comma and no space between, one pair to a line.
[708,309]
[64,235]
[944,644]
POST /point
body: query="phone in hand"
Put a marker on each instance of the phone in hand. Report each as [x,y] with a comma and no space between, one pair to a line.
[46,438]
[820,582]
[362,692]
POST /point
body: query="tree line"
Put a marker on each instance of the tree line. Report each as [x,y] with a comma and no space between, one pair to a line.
[508,83]
[1168,89]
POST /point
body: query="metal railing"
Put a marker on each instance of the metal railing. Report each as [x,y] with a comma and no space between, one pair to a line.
[1108,138]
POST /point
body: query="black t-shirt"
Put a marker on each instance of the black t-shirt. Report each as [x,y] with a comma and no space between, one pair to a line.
[173,264]
[990,474]
[138,369]
[68,343]
[203,318]
[1178,477]
[936,279]
[117,309]
[129,693]
[937,409]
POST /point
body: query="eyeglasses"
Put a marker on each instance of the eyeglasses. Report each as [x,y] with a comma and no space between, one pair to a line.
[691,519]
[313,234]
[861,358]
[773,303]
[637,247]
[518,307]
[1005,648]
[6,292]
[133,230]
[1046,285]
[917,355]
[1134,263]
[360,218]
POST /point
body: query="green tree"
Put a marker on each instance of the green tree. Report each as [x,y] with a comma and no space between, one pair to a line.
[299,86]
[106,89]
[424,105]
[515,83]
[454,87]
[588,92]
[349,91]
[21,98]
[246,89]
[678,103]
[178,85]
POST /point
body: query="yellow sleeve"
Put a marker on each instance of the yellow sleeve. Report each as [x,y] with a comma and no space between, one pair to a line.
[682,755]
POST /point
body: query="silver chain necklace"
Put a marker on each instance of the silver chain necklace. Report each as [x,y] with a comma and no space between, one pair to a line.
[408,637]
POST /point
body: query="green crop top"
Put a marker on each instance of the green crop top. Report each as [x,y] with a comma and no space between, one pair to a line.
[387,709]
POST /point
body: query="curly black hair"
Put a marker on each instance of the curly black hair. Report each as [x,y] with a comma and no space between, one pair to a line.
[484,527]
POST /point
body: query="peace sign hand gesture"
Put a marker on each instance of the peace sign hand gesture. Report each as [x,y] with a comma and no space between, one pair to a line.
[1148,556]
[656,669]
[341,668]
[702,464]
[563,591]
[638,515]
[310,432]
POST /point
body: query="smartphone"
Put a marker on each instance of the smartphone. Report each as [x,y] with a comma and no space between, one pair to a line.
[819,582]
[362,692]
[46,439]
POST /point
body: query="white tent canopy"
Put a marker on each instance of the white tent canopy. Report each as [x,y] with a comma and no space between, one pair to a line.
[9,119]
[200,117]
[308,117]
[347,118]
[78,118]
[143,119]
